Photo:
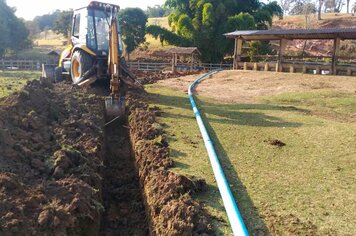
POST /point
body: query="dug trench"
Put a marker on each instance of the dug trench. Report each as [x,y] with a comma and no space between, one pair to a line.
[122,196]
[61,173]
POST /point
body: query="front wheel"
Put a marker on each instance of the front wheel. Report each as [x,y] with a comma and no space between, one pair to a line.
[81,62]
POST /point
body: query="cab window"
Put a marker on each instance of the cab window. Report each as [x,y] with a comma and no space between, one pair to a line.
[76,26]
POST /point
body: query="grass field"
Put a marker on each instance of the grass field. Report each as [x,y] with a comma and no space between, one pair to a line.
[306,187]
[12,81]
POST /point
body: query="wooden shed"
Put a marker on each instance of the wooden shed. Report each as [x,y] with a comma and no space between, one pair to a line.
[187,56]
[284,35]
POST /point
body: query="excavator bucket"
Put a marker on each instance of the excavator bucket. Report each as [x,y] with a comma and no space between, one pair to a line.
[115,108]
[48,72]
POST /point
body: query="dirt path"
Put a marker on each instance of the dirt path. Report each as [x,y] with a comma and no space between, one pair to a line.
[125,212]
[246,86]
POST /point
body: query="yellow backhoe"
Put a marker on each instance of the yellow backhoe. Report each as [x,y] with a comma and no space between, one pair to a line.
[95,52]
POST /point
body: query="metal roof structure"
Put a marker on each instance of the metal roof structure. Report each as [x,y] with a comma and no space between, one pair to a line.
[184,50]
[277,34]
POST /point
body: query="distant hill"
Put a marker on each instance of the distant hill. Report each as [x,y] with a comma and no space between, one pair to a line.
[319,47]
[329,20]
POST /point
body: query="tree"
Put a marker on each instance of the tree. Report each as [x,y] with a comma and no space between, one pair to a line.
[321,3]
[133,27]
[285,5]
[348,6]
[62,24]
[157,11]
[47,20]
[14,35]
[303,7]
[334,5]
[354,8]
[202,23]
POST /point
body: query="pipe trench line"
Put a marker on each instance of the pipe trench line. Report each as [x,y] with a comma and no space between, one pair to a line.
[236,222]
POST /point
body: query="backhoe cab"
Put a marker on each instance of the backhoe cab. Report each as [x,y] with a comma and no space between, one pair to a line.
[95,52]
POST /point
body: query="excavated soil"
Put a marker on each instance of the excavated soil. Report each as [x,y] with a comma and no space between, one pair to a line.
[51,155]
[169,203]
[125,210]
[62,173]
[150,77]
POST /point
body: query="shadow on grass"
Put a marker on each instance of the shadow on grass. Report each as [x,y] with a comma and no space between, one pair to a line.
[234,114]
[250,214]
[230,114]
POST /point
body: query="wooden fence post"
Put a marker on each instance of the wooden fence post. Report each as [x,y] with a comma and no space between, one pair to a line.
[245,65]
[349,72]
[317,70]
[266,66]
[304,69]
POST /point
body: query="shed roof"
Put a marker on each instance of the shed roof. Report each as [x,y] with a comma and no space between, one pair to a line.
[275,34]
[184,50]
[54,53]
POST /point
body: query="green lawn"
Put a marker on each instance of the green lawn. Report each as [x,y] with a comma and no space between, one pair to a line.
[12,81]
[304,187]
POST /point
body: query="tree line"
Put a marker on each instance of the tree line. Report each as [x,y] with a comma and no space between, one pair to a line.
[14,34]
[199,23]
[299,7]
[202,23]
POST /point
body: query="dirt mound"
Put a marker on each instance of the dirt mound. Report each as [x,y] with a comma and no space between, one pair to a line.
[59,175]
[152,77]
[51,145]
[168,195]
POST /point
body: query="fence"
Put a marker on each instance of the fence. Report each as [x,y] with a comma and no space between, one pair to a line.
[305,67]
[149,66]
[159,66]
[22,64]
[133,65]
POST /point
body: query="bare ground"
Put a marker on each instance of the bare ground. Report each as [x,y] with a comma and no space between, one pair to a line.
[246,86]
[59,176]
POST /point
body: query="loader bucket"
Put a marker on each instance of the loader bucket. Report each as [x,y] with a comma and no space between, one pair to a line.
[114,108]
[48,72]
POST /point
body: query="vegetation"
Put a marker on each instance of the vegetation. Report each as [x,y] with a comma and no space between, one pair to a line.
[14,35]
[43,22]
[157,11]
[133,24]
[307,180]
[63,23]
[203,23]
[303,8]
[12,81]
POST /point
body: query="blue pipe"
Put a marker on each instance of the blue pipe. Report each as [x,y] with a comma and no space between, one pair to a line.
[237,224]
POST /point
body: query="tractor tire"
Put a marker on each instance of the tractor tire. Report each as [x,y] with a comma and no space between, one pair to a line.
[58,76]
[81,62]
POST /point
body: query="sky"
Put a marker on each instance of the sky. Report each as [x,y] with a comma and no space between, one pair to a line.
[28,9]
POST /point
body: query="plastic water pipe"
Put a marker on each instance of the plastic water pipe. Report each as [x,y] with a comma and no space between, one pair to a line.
[237,224]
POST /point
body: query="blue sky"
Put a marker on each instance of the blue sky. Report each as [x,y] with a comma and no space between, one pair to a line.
[28,9]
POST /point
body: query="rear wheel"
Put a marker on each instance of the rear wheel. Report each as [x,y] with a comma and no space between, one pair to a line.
[81,62]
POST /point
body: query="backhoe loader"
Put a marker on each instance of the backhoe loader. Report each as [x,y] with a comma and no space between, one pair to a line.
[95,52]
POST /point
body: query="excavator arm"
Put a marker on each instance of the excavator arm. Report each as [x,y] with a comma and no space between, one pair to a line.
[120,77]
